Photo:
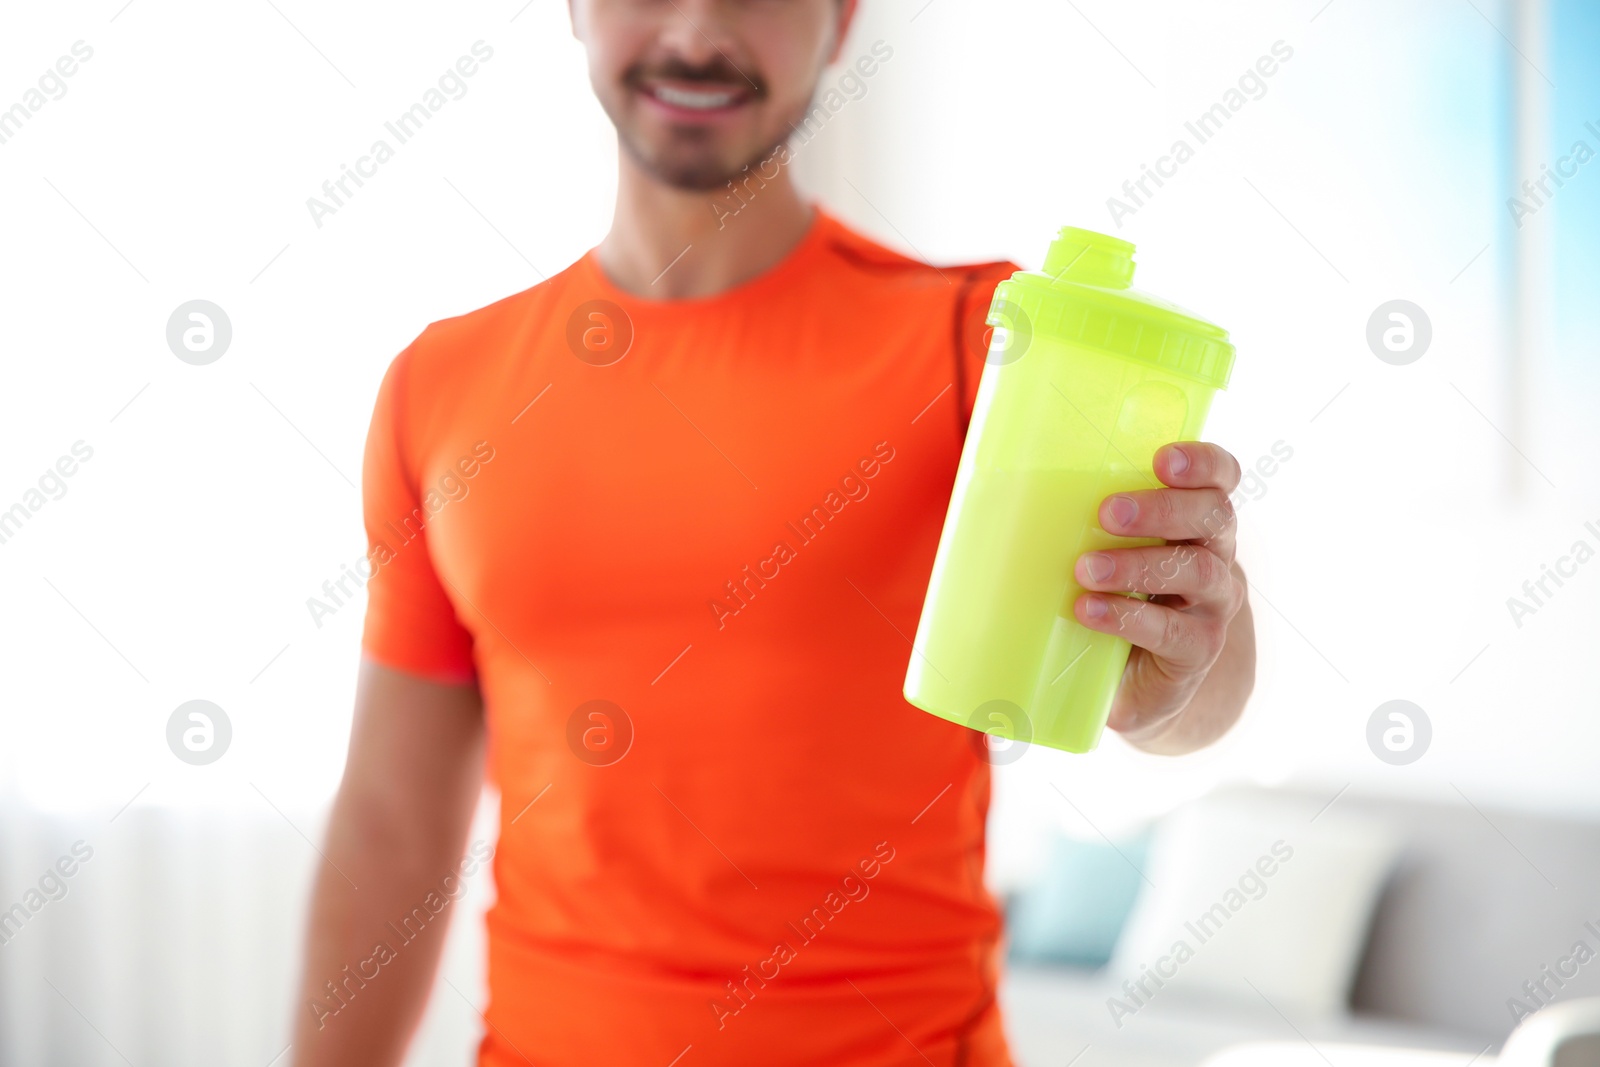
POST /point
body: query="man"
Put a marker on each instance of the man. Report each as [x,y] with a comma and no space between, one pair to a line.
[655,533]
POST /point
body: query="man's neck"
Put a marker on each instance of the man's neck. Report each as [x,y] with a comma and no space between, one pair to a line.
[669,244]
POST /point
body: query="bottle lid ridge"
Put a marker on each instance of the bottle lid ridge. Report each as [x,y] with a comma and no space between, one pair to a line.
[1083,294]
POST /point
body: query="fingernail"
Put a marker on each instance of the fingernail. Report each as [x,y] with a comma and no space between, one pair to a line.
[1098,566]
[1095,607]
[1178,461]
[1124,509]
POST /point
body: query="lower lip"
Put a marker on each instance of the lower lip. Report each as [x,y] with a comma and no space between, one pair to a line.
[694,114]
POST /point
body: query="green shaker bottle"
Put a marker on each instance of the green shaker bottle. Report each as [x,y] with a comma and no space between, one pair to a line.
[1084,380]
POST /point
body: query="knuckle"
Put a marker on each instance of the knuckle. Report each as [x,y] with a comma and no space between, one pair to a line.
[1140,578]
[1220,518]
[1161,566]
[1174,564]
[1239,592]
[1225,507]
[1233,473]
[1176,640]
[1166,506]
[1198,643]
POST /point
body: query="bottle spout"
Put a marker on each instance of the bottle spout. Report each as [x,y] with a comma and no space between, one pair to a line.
[1085,257]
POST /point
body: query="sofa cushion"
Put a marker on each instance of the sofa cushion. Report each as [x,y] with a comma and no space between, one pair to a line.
[1482,902]
[1075,911]
[1255,898]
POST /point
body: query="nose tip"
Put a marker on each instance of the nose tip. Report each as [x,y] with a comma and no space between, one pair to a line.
[694,32]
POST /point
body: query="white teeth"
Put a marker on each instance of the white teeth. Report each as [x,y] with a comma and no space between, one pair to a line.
[692,98]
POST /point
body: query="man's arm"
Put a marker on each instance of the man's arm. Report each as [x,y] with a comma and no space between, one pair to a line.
[399,825]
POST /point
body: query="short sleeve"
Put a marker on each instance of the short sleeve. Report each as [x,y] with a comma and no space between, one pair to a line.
[411,624]
[976,291]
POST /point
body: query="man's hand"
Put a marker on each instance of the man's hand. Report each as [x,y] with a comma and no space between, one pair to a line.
[1193,663]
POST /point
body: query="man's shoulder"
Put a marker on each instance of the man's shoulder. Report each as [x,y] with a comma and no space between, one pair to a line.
[874,264]
[448,367]
[485,331]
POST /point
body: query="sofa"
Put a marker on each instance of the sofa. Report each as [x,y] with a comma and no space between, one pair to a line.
[1467,921]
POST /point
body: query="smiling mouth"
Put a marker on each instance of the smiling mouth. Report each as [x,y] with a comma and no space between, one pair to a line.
[697,99]
[687,93]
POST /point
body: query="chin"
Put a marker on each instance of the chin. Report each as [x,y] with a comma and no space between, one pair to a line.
[696,177]
[691,171]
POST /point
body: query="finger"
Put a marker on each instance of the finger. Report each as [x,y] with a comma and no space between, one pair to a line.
[1197,465]
[1187,641]
[1201,515]
[1193,572]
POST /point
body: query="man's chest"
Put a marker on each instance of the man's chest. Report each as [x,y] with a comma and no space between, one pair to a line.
[651,488]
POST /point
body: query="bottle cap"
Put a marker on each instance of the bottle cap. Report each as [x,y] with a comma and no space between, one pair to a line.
[1083,295]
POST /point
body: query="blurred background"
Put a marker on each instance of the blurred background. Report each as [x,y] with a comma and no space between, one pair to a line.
[1406,501]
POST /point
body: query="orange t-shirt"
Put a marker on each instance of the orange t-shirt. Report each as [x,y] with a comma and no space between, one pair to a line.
[683,546]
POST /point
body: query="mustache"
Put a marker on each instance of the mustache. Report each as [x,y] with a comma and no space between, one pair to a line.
[720,71]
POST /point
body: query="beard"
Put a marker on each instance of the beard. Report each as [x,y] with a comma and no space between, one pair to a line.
[691,162]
